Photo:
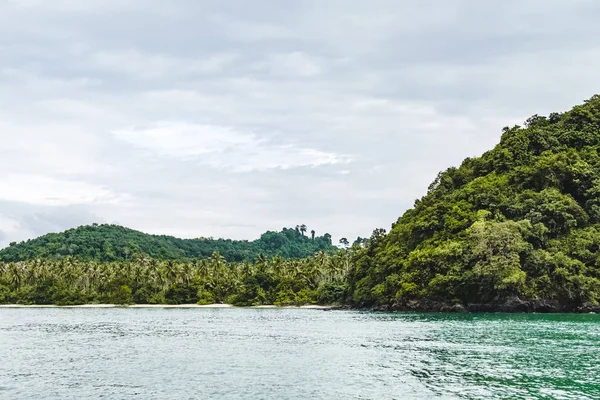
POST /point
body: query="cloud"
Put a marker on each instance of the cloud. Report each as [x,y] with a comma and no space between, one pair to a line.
[296,64]
[138,65]
[20,221]
[225,148]
[250,31]
[215,119]
[44,190]
[10,230]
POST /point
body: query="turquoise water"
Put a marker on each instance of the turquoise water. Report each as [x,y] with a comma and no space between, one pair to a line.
[52,353]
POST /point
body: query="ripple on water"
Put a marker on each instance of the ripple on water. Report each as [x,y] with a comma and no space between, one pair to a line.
[295,354]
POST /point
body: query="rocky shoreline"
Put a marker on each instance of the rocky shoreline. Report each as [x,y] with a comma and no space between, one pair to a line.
[511,305]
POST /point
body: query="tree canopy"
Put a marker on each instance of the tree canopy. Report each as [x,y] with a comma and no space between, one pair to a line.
[115,243]
[521,220]
[319,279]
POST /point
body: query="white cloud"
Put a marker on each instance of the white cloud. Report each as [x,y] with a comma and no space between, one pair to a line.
[11,230]
[225,148]
[139,65]
[250,31]
[74,6]
[296,64]
[9,225]
[48,191]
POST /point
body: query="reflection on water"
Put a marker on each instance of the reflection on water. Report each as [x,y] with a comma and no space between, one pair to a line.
[295,354]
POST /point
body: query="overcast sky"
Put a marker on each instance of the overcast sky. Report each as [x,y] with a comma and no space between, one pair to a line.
[230,118]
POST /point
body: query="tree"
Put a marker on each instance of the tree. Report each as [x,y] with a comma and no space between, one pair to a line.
[303,229]
[115,243]
[497,249]
[344,242]
[521,220]
[312,234]
[122,296]
[360,241]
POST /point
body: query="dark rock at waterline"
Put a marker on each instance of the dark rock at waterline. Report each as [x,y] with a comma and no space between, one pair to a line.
[517,305]
[508,305]
[588,308]
[547,306]
[455,308]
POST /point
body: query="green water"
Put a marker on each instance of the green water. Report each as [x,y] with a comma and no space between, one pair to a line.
[295,354]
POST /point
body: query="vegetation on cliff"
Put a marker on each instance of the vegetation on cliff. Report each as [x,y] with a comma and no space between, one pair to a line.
[522,220]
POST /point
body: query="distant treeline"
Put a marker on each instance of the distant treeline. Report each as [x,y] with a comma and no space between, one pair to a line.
[110,243]
[520,222]
[320,279]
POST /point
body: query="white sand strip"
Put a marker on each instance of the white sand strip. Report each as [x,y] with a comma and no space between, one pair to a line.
[270,306]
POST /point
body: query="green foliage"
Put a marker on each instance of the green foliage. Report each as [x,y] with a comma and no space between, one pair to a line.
[317,279]
[109,243]
[332,292]
[122,295]
[521,220]
[205,296]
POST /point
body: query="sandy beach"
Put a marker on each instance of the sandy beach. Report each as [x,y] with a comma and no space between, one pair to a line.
[313,307]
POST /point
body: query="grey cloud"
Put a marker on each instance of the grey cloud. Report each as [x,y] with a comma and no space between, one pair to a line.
[35,220]
[403,89]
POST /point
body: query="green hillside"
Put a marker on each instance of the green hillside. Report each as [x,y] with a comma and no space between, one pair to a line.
[116,243]
[517,229]
[521,221]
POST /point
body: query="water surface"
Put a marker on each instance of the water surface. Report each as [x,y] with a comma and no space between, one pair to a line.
[54,353]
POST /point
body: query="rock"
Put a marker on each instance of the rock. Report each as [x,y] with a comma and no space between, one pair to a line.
[475,307]
[453,308]
[458,308]
[515,304]
[446,308]
[588,308]
[546,306]
[413,305]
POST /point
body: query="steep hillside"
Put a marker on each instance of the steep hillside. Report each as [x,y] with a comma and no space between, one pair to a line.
[521,222]
[116,243]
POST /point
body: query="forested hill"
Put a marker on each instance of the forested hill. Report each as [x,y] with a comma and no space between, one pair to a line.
[520,222]
[116,243]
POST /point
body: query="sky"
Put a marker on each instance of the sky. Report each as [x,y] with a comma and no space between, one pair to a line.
[230,118]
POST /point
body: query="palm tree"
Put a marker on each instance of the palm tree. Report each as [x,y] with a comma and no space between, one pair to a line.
[261,263]
[246,270]
[187,273]
[151,279]
[303,229]
[217,264]
[171,271]
[276,265]
[137,275]
[15,275]
[203,269]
